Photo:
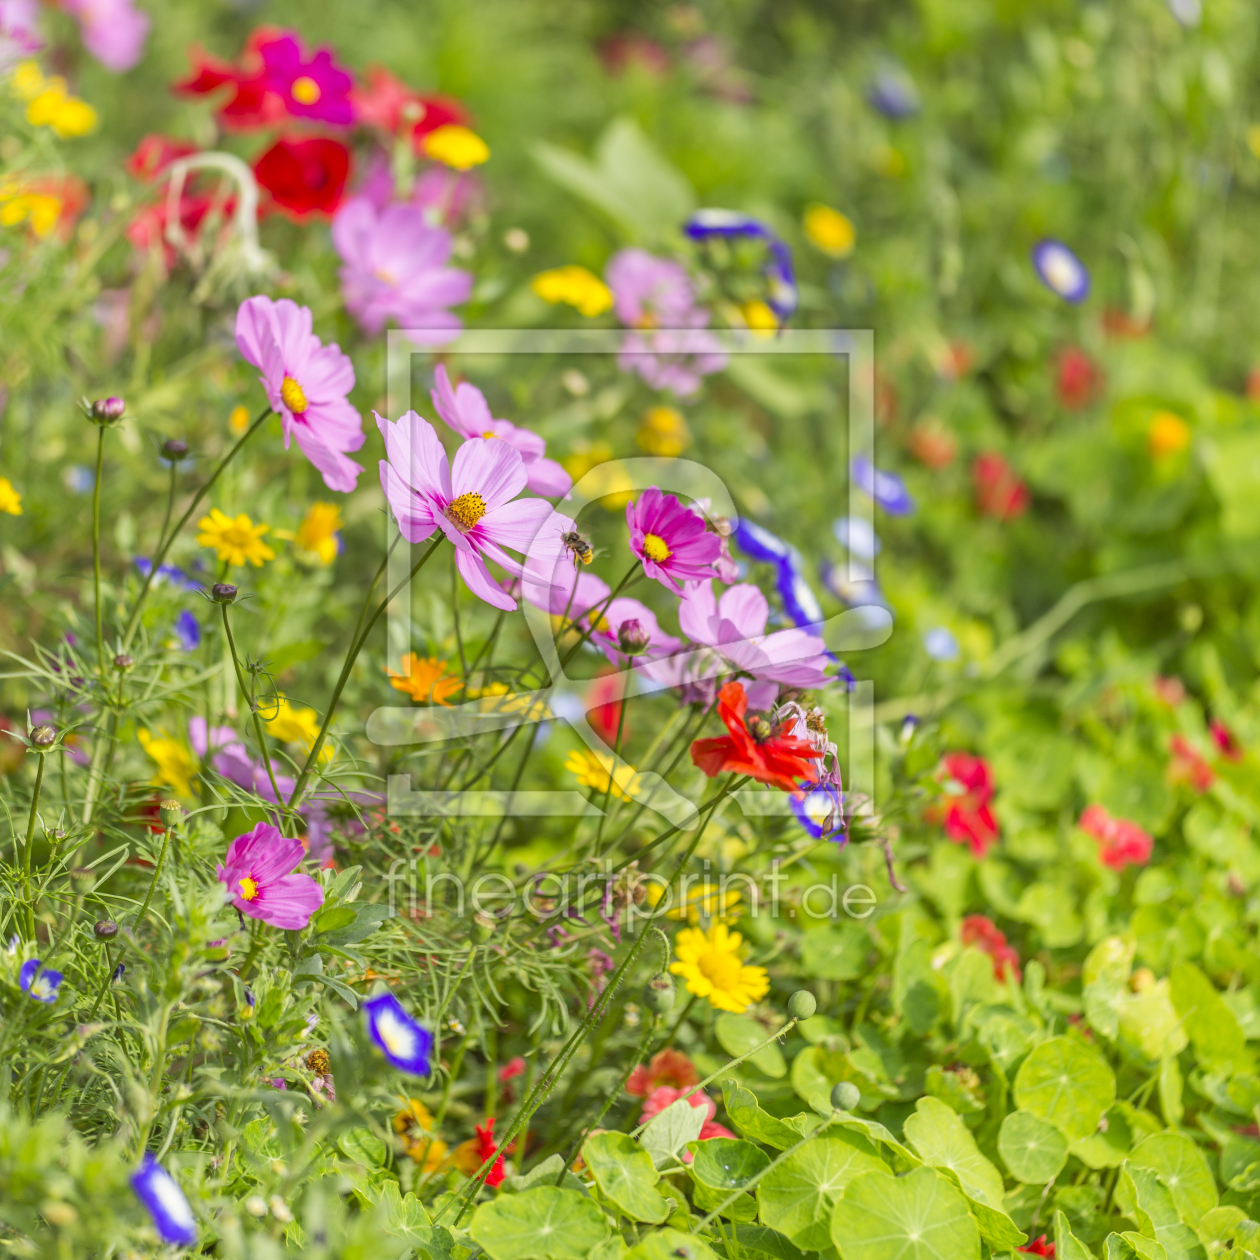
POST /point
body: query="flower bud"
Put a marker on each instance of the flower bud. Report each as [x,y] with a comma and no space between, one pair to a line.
[83,878]
[801,1005]
[43,736]
[172,812]
[118,973]
[632,637]
[174,449]
[223,593]
[658,994]
[845,1096]
[483,927]
[124,661]
[108,410]
[106,929]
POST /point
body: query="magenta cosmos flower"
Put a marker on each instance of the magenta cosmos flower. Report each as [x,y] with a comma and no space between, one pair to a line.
[306,383]
[19,32]
[395,268]
[671,540]
[465,409]
[259,875]
[311,86]
[472,500]
[113,31]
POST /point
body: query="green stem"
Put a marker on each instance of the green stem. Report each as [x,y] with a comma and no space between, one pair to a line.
[96,550]
[596,615]
[621,726]
[30,844]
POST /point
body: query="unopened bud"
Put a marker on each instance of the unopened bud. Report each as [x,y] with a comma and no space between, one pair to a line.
[106,929]
[801,1005]
[83,877]
[223,593]
[173,448]
[108,410]
[43,736]
[632,637]
[845,1096]
[124,661]
[483,927]
[658,994]
[172,812]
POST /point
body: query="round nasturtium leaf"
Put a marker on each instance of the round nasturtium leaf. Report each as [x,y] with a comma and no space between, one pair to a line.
[921,1216]
[625,1173]
[797,1195]
[737,1035]
[1183,1168]
[1032,1148]
[727,1163]
[1066,1083]
[671,1244]
[546,1221]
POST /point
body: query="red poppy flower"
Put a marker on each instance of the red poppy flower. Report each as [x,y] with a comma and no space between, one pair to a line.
[305,177]
[250,103]
[986,936]
[486,1148]
[1121,842]
[965,812]
[1039,1247]
[1078,379]
[1187,765]
[1224,739]
[754,746]
[999,490]
[668,1067]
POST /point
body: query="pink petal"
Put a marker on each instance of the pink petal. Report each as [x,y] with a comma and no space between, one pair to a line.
[478,580]
[744,609]
[515,524]
[490,468]
[416,455]
[546,476]
[415,515]
[255,329]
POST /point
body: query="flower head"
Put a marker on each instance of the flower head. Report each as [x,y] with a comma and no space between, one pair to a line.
[395,267]
[259,874]
[10,500]
[574,286]
[456,146]
[319,531]
[465,409]
[650,292]
[1078,378]
[667,1067]
[1167,434]
[187,631]
[671,540]
[311,85]
[404,1042]
[1000,491]
[1121,842]
[986,936]
[830,231]
[712,964]
[391,106]
[602,774]
[820,810]
[39,982]
[782,296]
[113,31]
[472,500]
[754,746]
[663,432]
[306,383]
[886,488]
[55,108]
[1039,1246]
[486,1148]
[1060,270]
[175,766]
[236,541]
[165,1201]
[305,177]
[965,812]
[425,680]
[892,93]
[19,32]
[1187,765]
[414,1126]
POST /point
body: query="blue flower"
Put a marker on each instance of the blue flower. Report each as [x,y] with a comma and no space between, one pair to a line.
[799,601]
[857,536]
[856,588]
[783,296]
[166,573]
[79,479]
[406,1043]
[940,644]
[188,631]
[759,543]
[160,1193]
[886,488]
[820,810]
[893,94]
[1060,270]
[40,984]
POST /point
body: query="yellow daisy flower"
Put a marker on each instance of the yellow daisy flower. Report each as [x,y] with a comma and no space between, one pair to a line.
[318,531]
[594,769]
[760,319]
[425,680]
[456,146]
[574,286]
[414,1126]
[707,899]
[237,541]
[65,114]
[175,764]
[10,500]
[663,432]
[830,231]
[291,725]
[238,420]
[712,965]
[40,210]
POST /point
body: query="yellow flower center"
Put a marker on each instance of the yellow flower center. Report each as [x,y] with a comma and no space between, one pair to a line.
[721,969]
[466,511]
[655,548]
[599,622]
[292,396]
[488,434]
[249,889]
[305,90]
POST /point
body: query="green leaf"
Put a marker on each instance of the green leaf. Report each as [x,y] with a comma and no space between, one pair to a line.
[1032,1148]
[368,916]
[921,1216]
[671,1244]
[1183,1168]
[942,1140]
[543,1174]
[737,1035]
[835,953]
[547,1221]
[1066,1244]
[797,1195]
[756,1241]
[1149,1021]
[625,1173]
[333,917]
[727,1163]
[364,1147]
[1067,1084]
[1210,1024]
[758,1125]
[741,1207]
[669,1131]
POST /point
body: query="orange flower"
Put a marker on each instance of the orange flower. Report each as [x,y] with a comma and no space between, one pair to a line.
[425,680]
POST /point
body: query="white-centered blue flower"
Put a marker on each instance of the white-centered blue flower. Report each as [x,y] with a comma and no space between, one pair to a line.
[940,644]
[1060,270]
[857,536]
[886,488]
[820,810]
[405,1042]
[166,1203]
[39,982]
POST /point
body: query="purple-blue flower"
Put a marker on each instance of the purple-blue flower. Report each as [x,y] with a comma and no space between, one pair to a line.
[759,543]
[886,488]
[857,536]
[893,94]
[799,601]
[1060,270]
[782,297]
[404,1042]
[165,1201]
[940,644]
[166,573]
[42,984]
[188,631]
[820,810]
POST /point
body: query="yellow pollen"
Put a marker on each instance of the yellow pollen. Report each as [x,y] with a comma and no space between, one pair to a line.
[654,548]
[305,90]
[292,396]
[466,511]
[249,889]
[488,434]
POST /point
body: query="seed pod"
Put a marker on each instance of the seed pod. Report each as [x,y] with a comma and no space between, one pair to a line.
[43,736]
[172,812]
[223,593]
[106,929]
[801,1005]
[845,1096]
[124,661]
[173,448]
[658,994]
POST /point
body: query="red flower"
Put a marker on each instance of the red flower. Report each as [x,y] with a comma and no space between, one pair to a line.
[391,106]
[486,1148]
[1224,739]
[1172,691]
[154,154]
[669,1067]
[1120,324]
[965,812]
[619,52]
[754,746]
[1039,1247]
[604,698]
[305,177]
[251,103]
[999,490]
[1187,765]
[1121,842]
[512,1069]
[987,937]
[931,443]
[1078,379]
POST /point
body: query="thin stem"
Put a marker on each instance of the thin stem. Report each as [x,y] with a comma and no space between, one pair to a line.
[682,1019]
[170,502]
[596,614]
[30,843]
[621,727]
[253,707]
[96,550]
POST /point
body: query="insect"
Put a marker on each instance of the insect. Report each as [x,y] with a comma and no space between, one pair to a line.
[577,547]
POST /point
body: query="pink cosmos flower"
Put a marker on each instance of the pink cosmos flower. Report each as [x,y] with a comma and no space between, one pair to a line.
[585,598]
[19,32]
[258,872]
[306,383]
[310,86]
[113,31]
[665,1095]
[395,267]
[671,540]
[735,627]
[465,409]
[472,500]
[1121,842]
[650,292]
